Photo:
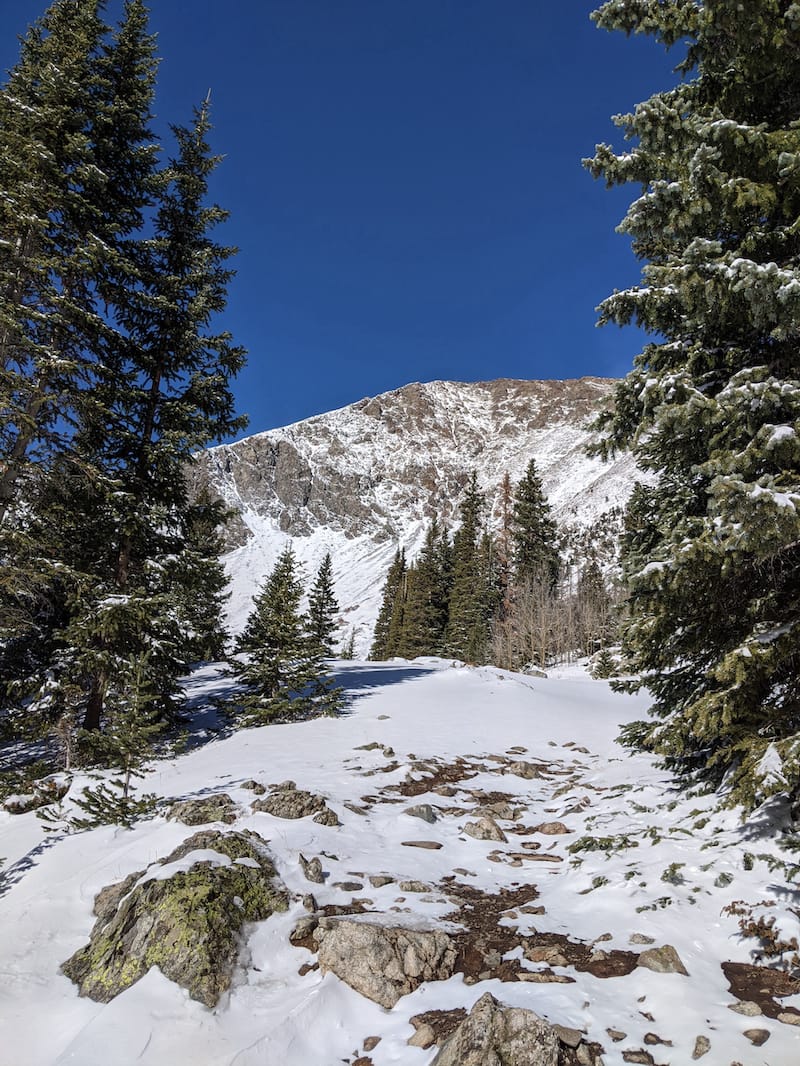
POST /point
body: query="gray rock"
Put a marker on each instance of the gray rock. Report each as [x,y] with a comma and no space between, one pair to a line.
[383,963]
[312,869]
[424,1037]
[640,938]
[414,886]
[216,808]
[523,769]
[702,1046]
[327,817]
[570,1037]
[662,960]
[757,1037]
[494,1035]
[485,829]
[288,801]
[379,880]
[187,924]
[423,811]
[789,1018]
[746,1007]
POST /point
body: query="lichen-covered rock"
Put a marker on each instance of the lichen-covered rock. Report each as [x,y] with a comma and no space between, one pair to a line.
[312,869]
[186,923]
[383,963]
[494,1035]
[327,817]
[216,808]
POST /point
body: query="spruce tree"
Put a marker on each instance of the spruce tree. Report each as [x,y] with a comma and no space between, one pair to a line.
[426,599]
[467,610]
[385,637]
[323,608]
[534,532]
[712,405]
[278,667]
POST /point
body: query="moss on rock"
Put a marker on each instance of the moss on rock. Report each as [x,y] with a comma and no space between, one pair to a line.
[187,924]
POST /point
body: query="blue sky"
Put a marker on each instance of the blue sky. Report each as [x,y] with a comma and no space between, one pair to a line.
[405,185]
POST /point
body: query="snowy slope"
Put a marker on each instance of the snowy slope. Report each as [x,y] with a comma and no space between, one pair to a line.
[359,481]
[648,862]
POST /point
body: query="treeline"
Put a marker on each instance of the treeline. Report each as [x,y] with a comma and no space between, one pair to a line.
[498,592]
[111,378]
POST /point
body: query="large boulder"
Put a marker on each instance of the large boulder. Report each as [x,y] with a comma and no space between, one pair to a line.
[218,807]
[494,1035]
[288,801]
[383,963]
[186,922]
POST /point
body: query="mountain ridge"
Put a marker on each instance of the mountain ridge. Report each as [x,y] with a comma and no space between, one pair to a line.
[362,479]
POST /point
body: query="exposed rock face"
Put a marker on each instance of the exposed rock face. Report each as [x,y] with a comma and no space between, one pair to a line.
[494,1035]
[485,829]
[187,924]
[383,963]
[662,960]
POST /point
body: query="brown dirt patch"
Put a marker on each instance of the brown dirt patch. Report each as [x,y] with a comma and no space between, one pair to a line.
[761,985]
[438,775]
[443,1022]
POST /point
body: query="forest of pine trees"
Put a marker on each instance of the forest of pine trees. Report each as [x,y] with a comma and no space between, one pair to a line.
[112,376]
[497,590]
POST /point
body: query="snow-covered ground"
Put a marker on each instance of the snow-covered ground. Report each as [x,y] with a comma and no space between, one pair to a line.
[637,859]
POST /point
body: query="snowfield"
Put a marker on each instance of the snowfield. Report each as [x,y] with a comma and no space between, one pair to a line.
[599,848]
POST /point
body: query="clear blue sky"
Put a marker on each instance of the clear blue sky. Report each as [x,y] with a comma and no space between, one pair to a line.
[405,185]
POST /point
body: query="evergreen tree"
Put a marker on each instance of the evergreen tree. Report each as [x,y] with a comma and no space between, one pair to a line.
[713,402]
[279,667]
[385,639]
[323,608]
[467,609]
[425,606]
[534,532]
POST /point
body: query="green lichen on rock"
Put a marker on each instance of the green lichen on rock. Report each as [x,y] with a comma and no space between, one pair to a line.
[187,924]
[215,808]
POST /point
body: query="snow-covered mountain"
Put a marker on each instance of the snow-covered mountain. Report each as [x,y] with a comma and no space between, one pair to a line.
[359,481]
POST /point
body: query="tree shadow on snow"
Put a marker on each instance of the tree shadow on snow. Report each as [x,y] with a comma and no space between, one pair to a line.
[360,680]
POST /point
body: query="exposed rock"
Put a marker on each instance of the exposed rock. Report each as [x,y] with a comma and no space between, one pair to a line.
[348,886]
[310,903]
[524,769]
[312,869]
[383,963]
[485,829]
[109,898]
[304,930]
[616,1035]
[414,886]
[288,801]
[371,1043]
[789,1018]
[423,811]
[651,1039]
[640,938]
[662,960]
[702,1046]
[379,880]
[757,1036]
[551,829]
[639,1056]
[494,1035]
[431,845]
[215,808]
[570,1037]
[254,786]
[746,1007]
[186,924]
[424,1037]
[327,817]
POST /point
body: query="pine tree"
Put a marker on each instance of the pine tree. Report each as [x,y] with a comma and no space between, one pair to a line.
[467,615]
[713,402]
[279,667]
[534,532]
[386,636]
[426,599]
[323,608]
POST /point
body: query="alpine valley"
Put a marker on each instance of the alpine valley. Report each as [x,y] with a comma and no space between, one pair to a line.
[362,480]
